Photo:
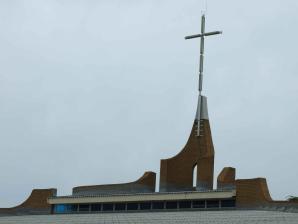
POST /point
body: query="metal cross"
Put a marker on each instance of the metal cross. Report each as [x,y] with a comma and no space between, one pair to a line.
[202,35]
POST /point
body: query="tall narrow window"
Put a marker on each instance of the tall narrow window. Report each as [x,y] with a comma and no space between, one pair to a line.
[194,176]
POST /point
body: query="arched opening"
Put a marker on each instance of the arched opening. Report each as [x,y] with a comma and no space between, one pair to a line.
[194,175]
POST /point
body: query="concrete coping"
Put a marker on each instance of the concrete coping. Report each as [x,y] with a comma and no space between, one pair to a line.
[133,194]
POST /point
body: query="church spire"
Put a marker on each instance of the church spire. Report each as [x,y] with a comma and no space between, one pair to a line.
[202,102]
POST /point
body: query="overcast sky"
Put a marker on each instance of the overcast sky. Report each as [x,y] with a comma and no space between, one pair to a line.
[96,92]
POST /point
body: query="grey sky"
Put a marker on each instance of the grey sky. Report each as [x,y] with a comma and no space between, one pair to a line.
[95,92]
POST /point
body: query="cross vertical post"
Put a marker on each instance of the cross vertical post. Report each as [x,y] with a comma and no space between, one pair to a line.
[202,35]
[202,55]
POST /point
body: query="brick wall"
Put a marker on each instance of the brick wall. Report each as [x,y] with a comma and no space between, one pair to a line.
[226,178]
[176,173]
[144,184]
[35,204]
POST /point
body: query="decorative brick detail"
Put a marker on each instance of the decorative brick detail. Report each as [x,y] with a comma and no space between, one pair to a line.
[176,173]
[35,204]
[226,178]
[251,193]
[144,184]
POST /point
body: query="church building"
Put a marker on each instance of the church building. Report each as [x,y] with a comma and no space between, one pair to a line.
[177,188]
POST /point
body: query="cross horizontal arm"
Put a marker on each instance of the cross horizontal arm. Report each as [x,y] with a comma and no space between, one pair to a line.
[212,33]
[203,35]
